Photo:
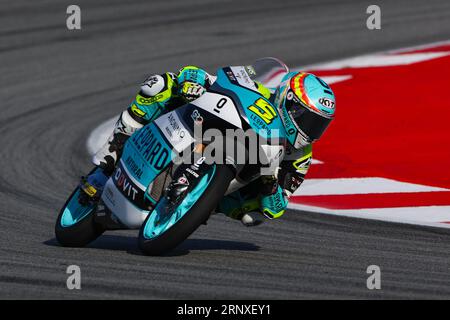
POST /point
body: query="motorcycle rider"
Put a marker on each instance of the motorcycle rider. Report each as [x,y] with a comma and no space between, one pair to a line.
[158,94]
[306,105]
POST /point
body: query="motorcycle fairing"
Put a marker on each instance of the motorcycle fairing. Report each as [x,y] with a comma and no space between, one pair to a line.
[260,113]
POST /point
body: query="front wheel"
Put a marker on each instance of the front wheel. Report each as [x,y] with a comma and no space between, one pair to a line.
[75,226]
[166,227]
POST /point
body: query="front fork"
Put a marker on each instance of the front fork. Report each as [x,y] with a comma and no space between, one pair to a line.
[184,179]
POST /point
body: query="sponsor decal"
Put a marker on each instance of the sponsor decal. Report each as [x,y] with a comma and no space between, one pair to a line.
[138,112]
[243,78]
[127,187]
[151,148]
[294,183]
[150,100]
[250,70]
[174,129]
[278,202]
[133,167]
[150,81]
[196,116]
[328,103]
[260,124]
[291,96]
[291,129]
[192,172]
[124,184]
[231,76]
[183,180]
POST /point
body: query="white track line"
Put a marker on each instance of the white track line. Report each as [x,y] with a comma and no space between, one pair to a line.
[313,187]
[376,60]
[431,216]
[377,53]
[420,47]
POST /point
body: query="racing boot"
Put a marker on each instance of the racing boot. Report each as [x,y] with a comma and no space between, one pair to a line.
[237,207]
[106,158]
[245,203]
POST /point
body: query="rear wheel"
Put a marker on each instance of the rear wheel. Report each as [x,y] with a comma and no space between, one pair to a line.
[165,227]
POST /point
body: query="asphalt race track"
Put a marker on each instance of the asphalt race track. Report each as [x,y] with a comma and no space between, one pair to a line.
[57,85]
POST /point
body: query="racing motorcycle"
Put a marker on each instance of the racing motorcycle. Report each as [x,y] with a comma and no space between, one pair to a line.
[139,194]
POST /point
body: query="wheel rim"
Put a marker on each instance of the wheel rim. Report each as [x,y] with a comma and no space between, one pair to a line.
[160,220]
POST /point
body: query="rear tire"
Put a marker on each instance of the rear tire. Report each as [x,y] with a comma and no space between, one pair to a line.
[194,217]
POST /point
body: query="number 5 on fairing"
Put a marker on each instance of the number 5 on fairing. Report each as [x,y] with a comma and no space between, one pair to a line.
[264,110]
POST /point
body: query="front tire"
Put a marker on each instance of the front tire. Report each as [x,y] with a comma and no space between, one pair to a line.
[192,219]
[77,231]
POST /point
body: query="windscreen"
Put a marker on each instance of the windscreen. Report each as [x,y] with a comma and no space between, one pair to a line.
[268,71]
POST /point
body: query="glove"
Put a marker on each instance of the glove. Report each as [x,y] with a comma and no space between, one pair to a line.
[273,205]
[191,90]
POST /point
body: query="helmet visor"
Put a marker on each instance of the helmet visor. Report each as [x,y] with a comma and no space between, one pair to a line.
[310,123]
